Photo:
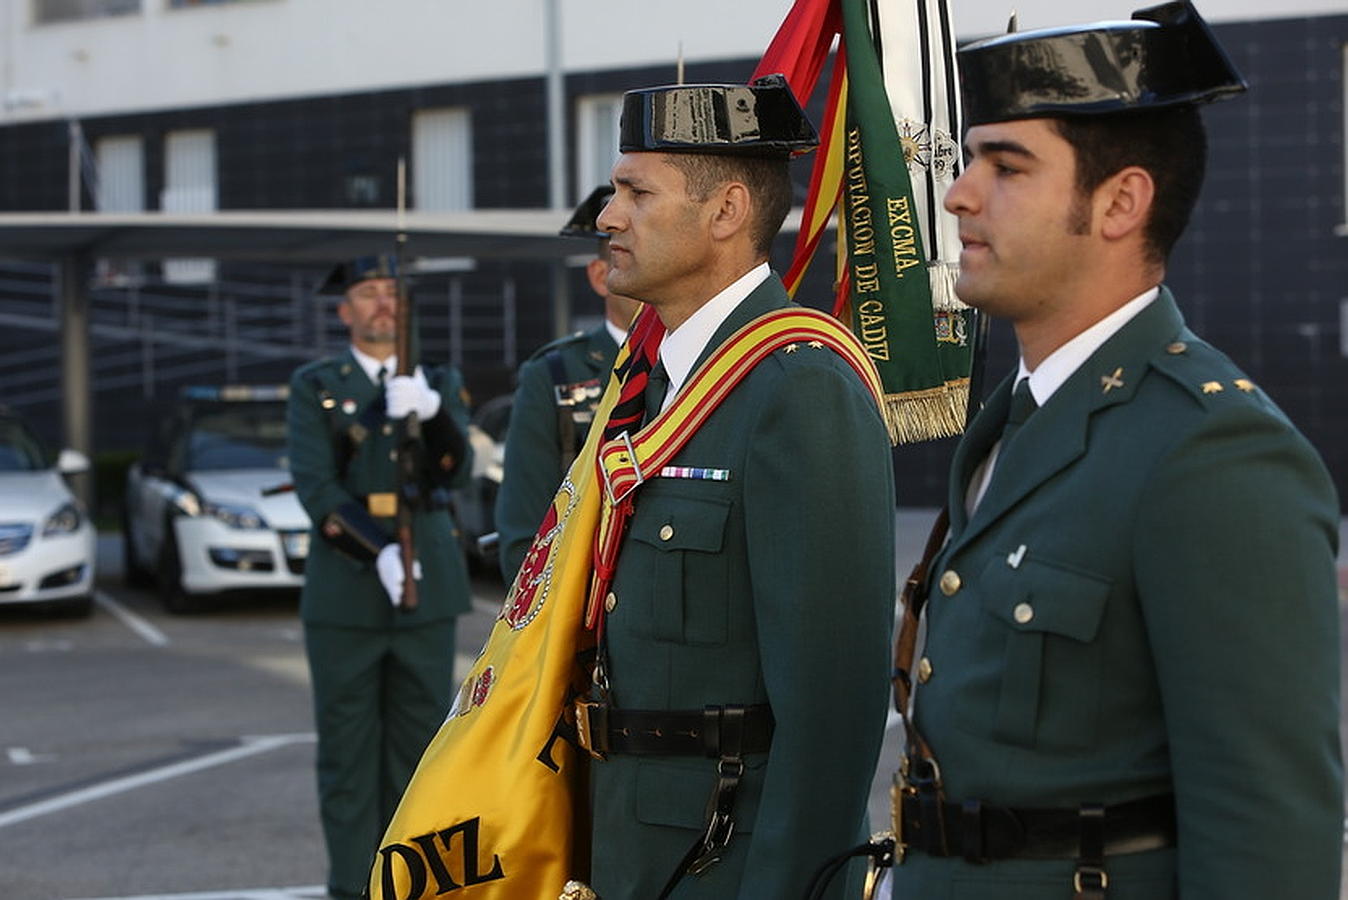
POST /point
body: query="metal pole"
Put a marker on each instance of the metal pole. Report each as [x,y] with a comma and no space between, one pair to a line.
[75,383]
[73,165]
[561,294]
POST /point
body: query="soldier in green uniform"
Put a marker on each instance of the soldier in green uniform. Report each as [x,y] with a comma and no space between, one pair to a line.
[382,676]
[746,636]
[556,393]
[1130,682]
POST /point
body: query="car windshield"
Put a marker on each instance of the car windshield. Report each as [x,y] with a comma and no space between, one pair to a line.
[19,449]
[237,436]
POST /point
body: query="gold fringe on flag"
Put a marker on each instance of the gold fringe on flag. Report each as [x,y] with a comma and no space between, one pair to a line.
[936,412]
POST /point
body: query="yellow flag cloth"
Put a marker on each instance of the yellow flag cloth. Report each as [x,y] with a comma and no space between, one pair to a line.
[491,805]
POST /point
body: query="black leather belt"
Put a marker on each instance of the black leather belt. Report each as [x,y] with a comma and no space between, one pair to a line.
[602,730]
[980,832]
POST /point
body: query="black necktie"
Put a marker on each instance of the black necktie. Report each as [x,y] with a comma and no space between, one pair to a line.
[656,387]
[1022,404]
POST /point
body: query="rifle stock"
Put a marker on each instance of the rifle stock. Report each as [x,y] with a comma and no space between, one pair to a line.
[410,434]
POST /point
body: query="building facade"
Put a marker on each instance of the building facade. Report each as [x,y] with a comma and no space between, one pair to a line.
[309,104]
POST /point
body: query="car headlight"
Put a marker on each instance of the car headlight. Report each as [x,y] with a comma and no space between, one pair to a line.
[65,520]
[235,515]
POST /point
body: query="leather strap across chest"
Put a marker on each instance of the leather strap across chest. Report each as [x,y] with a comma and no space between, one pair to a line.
[626,461]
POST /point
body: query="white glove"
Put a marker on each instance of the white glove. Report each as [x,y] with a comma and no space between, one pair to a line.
[389,565]
[411,394]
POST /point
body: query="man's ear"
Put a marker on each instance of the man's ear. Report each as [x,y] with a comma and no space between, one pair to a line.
[1124,202]
[344,311]
[732,211]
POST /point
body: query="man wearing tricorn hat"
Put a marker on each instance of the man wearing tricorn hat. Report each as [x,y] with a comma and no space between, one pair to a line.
[736,708]
[1129,686]
[382,676]
[558,390]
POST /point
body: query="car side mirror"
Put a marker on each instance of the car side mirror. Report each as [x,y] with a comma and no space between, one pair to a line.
[72,462]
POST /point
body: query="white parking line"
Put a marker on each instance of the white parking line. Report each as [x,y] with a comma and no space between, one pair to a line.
[248,746]
[278,893]
[136,623]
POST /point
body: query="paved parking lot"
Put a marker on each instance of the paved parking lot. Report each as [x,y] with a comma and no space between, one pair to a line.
[145,756]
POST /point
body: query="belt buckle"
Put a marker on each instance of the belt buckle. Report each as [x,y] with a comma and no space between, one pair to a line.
[613,498]
[592,727]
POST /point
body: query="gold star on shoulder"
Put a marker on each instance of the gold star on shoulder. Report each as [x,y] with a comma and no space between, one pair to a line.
[1244,384]
[1212,387]
[792,348]
[817,345]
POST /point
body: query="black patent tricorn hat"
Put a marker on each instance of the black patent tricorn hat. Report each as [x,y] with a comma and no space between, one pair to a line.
[757,119]
[582,223]
[347,274]
[1165,56]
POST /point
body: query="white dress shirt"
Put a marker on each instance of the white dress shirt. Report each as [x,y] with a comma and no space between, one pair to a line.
[371,366]
[682,346]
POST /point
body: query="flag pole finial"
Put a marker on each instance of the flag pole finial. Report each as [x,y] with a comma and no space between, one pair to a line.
[1011,26]
[678,66]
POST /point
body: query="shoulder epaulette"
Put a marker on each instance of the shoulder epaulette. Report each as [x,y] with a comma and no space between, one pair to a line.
[557,344]
[1203,371]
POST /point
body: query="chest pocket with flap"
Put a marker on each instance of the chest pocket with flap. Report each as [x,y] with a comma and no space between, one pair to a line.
[681,538]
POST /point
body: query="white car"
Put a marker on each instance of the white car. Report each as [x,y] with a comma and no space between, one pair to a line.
[46,539]
[209,508]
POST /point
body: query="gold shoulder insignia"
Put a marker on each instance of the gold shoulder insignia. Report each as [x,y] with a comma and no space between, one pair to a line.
[1244,384]
[1108,382]
[817,345]
[792,348]
[1212,387]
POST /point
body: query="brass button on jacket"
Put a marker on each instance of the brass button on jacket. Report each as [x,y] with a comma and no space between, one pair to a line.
[924,670]
[1023,613]
[610,601]
[950,582]
[666,532]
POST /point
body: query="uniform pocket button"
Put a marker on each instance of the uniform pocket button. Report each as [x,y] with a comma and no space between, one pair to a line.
[1023,613]
[666,532]
[950,582]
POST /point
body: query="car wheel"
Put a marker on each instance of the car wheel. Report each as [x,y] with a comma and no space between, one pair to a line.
[170,575]
[133,573]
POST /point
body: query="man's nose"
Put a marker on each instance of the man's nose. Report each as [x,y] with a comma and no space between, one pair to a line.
[958,197]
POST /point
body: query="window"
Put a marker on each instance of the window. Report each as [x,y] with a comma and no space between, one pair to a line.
[189,187]
[596,140]
[119,188]
[74,10]
[442,160]
[121,174]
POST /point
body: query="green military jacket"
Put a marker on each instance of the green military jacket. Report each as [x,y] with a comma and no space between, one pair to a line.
[534,451]
[1144,602]
[336,412]
[773,586]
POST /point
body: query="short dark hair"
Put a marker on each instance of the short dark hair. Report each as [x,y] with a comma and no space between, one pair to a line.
[1169,143]
[767,178]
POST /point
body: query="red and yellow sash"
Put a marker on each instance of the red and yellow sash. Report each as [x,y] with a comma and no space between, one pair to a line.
[496,808]
[625,462]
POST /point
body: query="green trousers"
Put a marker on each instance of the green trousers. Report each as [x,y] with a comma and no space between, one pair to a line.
[379,697]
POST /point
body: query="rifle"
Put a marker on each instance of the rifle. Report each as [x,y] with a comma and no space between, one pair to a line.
[409,437]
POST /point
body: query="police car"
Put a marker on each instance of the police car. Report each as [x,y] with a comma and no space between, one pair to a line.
[46,539]
[209,507]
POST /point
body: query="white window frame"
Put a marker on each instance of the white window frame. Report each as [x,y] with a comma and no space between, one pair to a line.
[190,186]
[442,159]
[597,115]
